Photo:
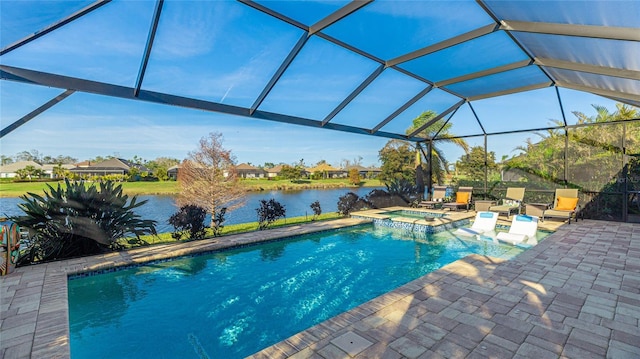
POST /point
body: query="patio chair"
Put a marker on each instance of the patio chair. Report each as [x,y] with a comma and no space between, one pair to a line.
[565,205]
[439,192]
[463,199]
[483,224]
[523,229]
[511,203]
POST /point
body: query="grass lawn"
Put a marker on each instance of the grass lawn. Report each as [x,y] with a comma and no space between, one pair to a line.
[163,238]
[17,189]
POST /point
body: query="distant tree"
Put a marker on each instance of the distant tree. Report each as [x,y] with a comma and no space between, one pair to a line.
[269,165]
[65,160]
[138,160]
[354,176]
[293,173]
[134,174]
[32,155]
[5,160]
[397,159]
[160,167]
[60,172]
[345,163]
[472,165]
[208,178]
[29,172]
[321,162]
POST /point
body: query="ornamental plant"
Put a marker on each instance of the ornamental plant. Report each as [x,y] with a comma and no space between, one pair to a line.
[78,220]
[268,212]
[188,220]
[317,210]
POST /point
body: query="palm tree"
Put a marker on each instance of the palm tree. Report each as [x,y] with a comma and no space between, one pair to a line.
[440,128]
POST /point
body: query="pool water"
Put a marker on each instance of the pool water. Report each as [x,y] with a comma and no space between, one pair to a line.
[233,303]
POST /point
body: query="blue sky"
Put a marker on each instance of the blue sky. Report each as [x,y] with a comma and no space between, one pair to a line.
[226,52]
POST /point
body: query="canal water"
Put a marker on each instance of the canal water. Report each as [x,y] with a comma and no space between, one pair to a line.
[296,203]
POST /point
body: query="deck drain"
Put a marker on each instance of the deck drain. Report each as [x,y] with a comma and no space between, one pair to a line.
[351,343]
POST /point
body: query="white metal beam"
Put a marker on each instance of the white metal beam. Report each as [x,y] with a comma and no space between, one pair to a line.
[600,32]
[593,69]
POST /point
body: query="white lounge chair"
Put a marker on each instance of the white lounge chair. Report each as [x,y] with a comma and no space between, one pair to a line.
[523,229]
[484,223]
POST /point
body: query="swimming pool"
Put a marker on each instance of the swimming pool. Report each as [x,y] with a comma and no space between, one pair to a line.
[233,303]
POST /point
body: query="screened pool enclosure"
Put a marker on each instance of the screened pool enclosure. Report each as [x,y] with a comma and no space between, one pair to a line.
[506,76]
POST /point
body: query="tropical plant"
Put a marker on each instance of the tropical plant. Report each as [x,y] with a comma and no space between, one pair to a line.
[29,172]
[439,129]
[268,212]
[217,220]
[60,172]
[77,220]
[209,179]
[188,220]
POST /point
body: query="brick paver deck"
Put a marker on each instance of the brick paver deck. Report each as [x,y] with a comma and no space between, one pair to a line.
[575,295]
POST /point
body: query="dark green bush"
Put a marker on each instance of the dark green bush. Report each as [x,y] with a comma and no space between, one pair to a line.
[317,210]
[350,202]
[268,212]
[189,219]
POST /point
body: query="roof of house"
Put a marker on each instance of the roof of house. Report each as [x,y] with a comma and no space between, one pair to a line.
[111,165]
[275,169]
[324,168]
[51,166]
[12,167]
[247,167]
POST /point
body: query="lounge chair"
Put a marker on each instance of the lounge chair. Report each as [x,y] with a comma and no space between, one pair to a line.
[439,192]
[511,203]
[483,224]
[565,205]
[523,229]
[463,199]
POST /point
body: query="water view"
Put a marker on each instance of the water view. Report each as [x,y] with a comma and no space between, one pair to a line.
[160,208]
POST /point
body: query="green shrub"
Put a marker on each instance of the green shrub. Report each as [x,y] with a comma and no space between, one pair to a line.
[268,212]
[189,219]
[350,202]
[78,220]
[317,210]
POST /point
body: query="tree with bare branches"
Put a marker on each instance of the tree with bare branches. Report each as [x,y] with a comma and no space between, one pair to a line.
[208,179]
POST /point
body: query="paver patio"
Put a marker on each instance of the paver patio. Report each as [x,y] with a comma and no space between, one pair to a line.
[575,295]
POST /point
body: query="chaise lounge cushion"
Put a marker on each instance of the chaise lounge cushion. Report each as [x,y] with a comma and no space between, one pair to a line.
[462,197]
[566,204]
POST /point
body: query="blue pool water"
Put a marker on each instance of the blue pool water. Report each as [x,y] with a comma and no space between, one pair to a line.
[233,303]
